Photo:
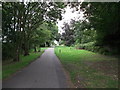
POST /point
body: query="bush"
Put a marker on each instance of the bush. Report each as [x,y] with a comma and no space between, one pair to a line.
[99,49]
[8,51]
[77,46]
[87,46]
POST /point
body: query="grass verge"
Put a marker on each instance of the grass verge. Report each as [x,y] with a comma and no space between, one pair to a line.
[88,69]
[11,68]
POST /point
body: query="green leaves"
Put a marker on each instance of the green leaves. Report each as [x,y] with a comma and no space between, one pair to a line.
[21,20]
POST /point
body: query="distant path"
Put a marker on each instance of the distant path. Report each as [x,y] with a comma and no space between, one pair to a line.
[45,72]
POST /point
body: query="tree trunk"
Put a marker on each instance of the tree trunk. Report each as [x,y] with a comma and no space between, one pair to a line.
[39,49]
[26,48]
[17,56]
[26,51]
[35,50]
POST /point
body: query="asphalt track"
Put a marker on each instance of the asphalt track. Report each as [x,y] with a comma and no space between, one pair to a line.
[45,72]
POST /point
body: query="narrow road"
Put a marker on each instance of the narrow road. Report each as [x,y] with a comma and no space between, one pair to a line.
[45,72]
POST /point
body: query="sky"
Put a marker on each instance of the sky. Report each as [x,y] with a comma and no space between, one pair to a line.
[67,16]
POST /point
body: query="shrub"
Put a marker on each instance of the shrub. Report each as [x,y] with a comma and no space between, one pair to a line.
[8,51]
[87,46]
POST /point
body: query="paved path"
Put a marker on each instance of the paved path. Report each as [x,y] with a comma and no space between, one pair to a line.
[45,72]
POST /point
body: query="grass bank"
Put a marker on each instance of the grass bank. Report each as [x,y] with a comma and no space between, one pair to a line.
[88,69]
[11,68]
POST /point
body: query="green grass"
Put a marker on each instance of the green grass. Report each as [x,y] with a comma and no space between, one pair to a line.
[44,48]
[88,69]
[11,68]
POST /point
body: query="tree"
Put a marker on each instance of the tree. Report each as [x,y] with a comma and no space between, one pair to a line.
[20,20]
[104,18]
[40,36]
[68,36]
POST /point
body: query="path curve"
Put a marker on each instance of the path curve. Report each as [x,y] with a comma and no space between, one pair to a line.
[45,72]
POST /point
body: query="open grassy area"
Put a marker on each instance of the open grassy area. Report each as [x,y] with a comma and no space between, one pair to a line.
[88,69]
[11,68]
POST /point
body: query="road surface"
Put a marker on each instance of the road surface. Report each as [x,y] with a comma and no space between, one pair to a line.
[45,72]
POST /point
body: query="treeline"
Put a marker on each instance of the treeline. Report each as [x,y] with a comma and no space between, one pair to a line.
[27,25]
[99,31]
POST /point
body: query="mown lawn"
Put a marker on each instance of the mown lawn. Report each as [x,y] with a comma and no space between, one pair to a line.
[11,68]
[88,69]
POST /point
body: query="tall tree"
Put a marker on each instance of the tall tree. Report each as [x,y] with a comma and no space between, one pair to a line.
[104,18]
[20,20]
[68,36]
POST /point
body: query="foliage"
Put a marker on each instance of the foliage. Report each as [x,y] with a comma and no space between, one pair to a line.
[40,36]
[103,17]
[21,21]
[88,46]
[68,36]
[100,25]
